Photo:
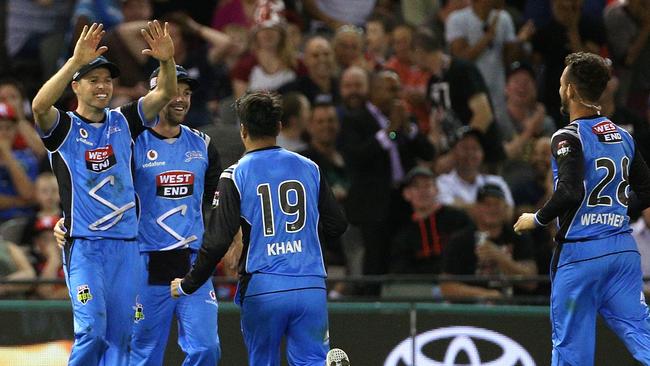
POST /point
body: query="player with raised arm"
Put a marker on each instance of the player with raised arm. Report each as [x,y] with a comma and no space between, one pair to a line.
[177,170]
[90,150]
[596,266]
[284,207]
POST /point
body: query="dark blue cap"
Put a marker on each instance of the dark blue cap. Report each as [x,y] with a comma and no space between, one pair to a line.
[100,61]
[490,190]
[181,75]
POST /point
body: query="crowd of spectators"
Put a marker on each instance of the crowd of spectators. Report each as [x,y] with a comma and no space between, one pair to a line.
[431,119]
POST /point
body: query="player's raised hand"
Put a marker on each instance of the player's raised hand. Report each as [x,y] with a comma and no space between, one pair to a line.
[59,233]
[86,48]
[174,288]
[161,46]
[525,222]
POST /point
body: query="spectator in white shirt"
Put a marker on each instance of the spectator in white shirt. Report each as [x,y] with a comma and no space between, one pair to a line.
[459,187]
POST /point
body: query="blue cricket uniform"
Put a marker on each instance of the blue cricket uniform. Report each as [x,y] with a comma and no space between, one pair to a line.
[173,178]
[284,207]
[92,164]
[596,266]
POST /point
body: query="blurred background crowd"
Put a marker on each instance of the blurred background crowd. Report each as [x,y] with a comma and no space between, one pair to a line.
[430,119]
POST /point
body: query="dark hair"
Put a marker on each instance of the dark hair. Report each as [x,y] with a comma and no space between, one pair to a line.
[260,113]
[291,106]
[385,21]
[425,40]
[589,73]
[15,83]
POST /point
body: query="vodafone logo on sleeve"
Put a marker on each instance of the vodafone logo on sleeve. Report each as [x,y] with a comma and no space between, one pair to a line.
[100,159]
[175,184]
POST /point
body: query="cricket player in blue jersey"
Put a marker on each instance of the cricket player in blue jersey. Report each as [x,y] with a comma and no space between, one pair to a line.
[176,174]
[90,152]
[284,207]
[596,265]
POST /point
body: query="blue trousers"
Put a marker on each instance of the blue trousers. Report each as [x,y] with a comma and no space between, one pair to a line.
[99,275]
[300,315]
[197,324]
[610,285]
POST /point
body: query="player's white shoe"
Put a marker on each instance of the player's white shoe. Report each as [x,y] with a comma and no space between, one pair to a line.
[336,357]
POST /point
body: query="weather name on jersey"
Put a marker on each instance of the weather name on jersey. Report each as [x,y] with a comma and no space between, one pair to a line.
[100,159]
[607,132]
[610,219]
[284,247]
[175,184]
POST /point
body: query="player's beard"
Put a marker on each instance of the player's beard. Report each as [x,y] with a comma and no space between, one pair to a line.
[564,105]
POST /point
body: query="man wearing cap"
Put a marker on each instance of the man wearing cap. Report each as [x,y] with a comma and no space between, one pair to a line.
[525,119]
[18,169]
[419,243]
[490,248]
[91,156]
[177,170]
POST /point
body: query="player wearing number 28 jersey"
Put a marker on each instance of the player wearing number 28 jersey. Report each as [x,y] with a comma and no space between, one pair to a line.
[596,265]
[284,206]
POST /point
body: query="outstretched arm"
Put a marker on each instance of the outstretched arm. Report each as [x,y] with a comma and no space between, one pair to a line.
[161,48]
[84,51]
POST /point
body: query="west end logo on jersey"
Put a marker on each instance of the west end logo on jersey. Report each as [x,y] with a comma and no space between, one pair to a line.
[175,184]
[100,159]
[607,132]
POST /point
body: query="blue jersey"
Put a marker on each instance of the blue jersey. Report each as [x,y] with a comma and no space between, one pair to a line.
[592,159]
[607,152]
[284,207]
[281,205]
[170,178]
[92,163]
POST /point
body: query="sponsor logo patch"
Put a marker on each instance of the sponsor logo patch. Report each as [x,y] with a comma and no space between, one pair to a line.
[215,199]
[83,294]
[139,312]
[563,148]
[190,155]
[175,184]
[607,132]
[152,155]
[100,159]
[83,133]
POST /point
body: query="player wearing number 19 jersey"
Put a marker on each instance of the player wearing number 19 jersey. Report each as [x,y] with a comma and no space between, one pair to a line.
[284,207]
[596,266]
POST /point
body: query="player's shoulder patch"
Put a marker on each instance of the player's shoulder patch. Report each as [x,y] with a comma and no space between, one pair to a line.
[563,148]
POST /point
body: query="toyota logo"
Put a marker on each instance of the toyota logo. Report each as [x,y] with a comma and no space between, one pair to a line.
[462,342]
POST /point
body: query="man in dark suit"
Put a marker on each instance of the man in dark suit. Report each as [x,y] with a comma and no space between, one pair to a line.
[379,143]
